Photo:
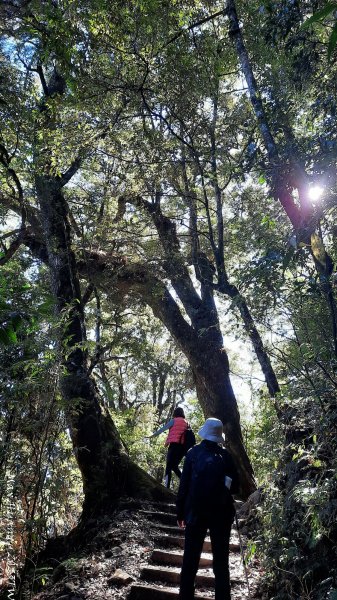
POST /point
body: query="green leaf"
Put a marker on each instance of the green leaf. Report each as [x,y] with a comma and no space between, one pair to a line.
[332,41]
[320,14]
[47,306]
[262,179]
[7,335]
[288,257]
[268,222]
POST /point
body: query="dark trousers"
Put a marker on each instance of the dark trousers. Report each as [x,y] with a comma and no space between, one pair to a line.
[175,454]
[194,538]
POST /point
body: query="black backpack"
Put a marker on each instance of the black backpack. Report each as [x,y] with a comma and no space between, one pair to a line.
[207,487]
[187,439]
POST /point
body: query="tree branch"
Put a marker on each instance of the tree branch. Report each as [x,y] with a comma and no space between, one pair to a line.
[174,264]
[192,26]
[136,280]
[63,179]
[11,250]
[32,214]
[40,72]
[279,185]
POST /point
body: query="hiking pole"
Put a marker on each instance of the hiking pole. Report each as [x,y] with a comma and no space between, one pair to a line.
[242,555]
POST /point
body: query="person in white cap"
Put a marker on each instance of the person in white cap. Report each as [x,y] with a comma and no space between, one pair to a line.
[205,502]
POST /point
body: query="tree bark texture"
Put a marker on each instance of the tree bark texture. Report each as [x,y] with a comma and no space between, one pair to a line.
[106,470]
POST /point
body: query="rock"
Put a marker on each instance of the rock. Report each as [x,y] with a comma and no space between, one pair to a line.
[69,586]
[120,578]
[113,539]
[59,573]
[113,552]
[252,502]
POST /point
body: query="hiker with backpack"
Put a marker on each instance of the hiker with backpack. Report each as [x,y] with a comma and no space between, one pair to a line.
[205,502]
[177,443]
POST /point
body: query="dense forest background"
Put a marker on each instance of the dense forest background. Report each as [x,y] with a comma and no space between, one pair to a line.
[168,224]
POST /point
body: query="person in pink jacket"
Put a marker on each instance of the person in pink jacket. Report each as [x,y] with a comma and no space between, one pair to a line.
[175,442]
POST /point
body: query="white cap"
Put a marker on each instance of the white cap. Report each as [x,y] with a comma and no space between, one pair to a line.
[212,430]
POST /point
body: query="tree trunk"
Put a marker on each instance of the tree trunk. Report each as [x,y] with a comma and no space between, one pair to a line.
[302,217]
[106,470]
[215,393]
[204,269]
[209,363]
[203,347]
[255,338]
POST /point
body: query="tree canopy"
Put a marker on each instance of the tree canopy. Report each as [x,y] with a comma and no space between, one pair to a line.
[168,177]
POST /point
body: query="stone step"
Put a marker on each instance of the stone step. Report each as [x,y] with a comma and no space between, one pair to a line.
[151,592]
[175,559]
[172,575]
[171,541]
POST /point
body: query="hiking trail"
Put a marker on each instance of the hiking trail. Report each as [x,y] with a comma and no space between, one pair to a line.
[159,579]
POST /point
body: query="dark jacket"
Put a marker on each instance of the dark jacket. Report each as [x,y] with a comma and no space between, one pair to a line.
[202,490]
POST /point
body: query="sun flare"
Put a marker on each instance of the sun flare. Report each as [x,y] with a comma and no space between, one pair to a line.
[315,192]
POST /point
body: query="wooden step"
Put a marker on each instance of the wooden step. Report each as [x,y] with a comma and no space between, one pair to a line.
[175,529]
[151,592]
[168,528]
[175,559]
[164,507]
[163,518]
[171,541]
[172,575]
[167,575]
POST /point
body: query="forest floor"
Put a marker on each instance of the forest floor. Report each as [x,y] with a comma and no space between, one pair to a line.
[113,553]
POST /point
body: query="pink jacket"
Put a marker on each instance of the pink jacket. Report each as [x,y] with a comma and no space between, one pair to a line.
[176,431]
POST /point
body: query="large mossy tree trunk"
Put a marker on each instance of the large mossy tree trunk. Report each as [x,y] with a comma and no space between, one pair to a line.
[106,470]
[209,364]
[216,397]
[210,367]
